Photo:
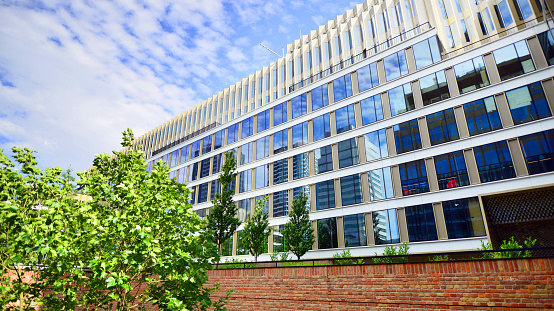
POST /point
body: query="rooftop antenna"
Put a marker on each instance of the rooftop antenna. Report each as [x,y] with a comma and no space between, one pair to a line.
[273,51]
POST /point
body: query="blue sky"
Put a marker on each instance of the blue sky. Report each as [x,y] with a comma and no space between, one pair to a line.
[75,74]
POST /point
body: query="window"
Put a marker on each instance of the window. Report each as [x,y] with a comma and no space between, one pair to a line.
[216,167]
[263,121]
[262,176]
[413,177]
[484,28]
[342,87]
[385,227]
[309,60]
[338,46]
[279,244]
[247,127]
[181,175]
[448,31]
[280,203]
[241,243]
[513,60]
[321,127]
[205,168]
[195,151]
[504,15]
[395,65]
[523,9]
[376,145]
[280,171]
[488,19]
[193,195]
[401,99]
[442,127]
[280,114]
[232,134]
[245,181]
[372,110]
[244,208]
[463,218]
[528,103]
[354,230]
[215,188]
[421,223]
[464,30]
[345,119]
[426,52]
[227,247]
[262,148]
[434,88]
[218,139]
[174,157]
[291,69]
[547,44]
[325,194]
[320,97]
[323,159]
[202,193]
[327,233]
[538,150]
[348,152]
[367,77]
[482,116]
[443,9]
[380,184]
[299,106]
[370,28]
[300,134]
[406,136]
[306,190]
[300,166]
[494,162]
[246,153]
[471,75]
[184,154]
[351,189]
[207,144]
[300,65]
[280,141]
[451,170]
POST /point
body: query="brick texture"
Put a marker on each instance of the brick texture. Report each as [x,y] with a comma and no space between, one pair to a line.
[506,284]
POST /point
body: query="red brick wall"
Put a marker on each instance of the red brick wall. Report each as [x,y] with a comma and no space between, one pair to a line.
[513,284]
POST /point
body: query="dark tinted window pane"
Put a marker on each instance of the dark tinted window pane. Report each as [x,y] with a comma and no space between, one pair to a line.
[471,75]
[193,172]
[247,127]
[319,97]
[351,189]
[451,170]
[245,181]
[528,103]
[195,150]
[280,203]
[278,239]
[345,119]
[232,134]
[513,60]
[547,43]
[321,127]
[216,167]
[323,159]
[300,134]
[348,153]
[434,88]
[203,193]
[482,116]
[215,188]
[327,233]
[299,106]
[463,218]
[280,171]
[406,136]
[207,144]
[205,168]
[325,194]
[354,230]
[413,177]
[538,150]
[494,162]
[372,110]
[442,127]
[385,227]
[241,245]
[280,114]
[218,139]
[421,223]
[184,154]
[280,141]
[300,166]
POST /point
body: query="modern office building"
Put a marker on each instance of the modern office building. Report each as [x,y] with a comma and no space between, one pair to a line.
[420,121]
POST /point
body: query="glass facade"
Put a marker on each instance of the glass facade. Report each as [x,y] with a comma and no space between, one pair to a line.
[494,162]
[300,134]
[395,65]
[354,230]
[421,223]
[325,194]
[528,103]
[300,166]
[280,141]
[513,60]
[401,99]
[463,218]
[327,233]
[442,127]
[451,170]
[299,106]
[434,88]
[342,87]
[406,136]
[348,152]
[280,203]
[321,127]
[372,109]
[351,189]
[413,177]
[367,77]
[385,227]
[280,171]
[471,75]
[482,116]
[320,97]
[323,159]
[538,151]
[375,145]
[345,119]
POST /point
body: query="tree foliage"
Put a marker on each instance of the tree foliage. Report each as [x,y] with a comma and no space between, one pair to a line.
[256,230]
[298,232]
[134,242]
[222,219]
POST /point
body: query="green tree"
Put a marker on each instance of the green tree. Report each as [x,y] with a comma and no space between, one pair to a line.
[134,242]
[298,232]
[256,230]
[222,219]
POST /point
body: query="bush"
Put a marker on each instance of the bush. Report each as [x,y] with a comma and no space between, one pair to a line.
[346,254]
[393,251]
[509,244]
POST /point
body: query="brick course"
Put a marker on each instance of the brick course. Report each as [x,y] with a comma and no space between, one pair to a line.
[504,284]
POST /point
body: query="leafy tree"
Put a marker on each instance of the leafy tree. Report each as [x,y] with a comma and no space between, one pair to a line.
[298,232]
[222,219]
[134,243]
[256,230]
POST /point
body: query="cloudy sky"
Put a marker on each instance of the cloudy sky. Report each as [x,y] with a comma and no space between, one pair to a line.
[75,74]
